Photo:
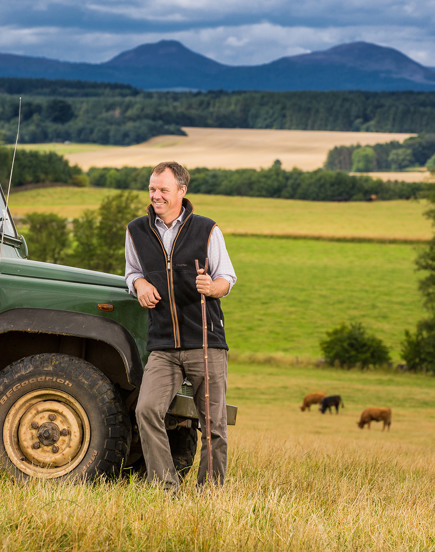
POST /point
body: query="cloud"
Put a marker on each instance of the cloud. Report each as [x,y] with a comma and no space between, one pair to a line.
[241,32]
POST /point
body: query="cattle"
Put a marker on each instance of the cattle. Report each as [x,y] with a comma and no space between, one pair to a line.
[375,415]
[328,402]
[312,398]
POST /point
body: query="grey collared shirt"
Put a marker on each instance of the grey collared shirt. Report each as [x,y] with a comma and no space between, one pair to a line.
[219,261]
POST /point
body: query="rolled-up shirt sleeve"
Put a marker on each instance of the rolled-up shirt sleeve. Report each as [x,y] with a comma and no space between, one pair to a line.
[220,265]
[133,269]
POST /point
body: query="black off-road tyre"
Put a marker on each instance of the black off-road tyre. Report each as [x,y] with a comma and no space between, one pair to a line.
[183,442]
[60,417]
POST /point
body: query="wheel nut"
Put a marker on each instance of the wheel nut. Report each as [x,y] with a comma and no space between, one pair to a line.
[36,445]
[64,432]
[35,425]
[55,448]
[52,417]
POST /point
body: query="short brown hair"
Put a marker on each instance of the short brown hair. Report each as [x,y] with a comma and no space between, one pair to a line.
[181,174]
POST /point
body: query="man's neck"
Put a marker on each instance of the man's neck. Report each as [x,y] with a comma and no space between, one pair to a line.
[170,222]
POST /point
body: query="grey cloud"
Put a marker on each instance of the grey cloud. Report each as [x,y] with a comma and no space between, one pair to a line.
[180,15]
[237,33]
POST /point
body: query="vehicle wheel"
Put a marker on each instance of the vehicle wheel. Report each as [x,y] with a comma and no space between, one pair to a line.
[183,442]
[60,417]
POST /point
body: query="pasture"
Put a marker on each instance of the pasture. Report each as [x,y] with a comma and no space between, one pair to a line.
[296,481]
[377,221]
[291,291]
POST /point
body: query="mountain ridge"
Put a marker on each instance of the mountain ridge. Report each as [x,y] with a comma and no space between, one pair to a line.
[169,65]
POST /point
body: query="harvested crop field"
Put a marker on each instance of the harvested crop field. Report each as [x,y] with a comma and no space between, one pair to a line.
[233,149]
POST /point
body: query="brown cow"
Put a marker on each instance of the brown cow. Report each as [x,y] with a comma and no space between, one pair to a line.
[312,398]
[375,415]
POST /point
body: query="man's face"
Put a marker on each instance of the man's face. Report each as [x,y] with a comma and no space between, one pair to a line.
[165,195]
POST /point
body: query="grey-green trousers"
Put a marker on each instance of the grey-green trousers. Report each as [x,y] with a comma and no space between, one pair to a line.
[163,376]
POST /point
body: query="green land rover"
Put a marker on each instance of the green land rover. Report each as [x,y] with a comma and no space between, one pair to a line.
[72,351]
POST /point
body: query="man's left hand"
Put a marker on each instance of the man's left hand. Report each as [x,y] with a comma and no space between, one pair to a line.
[204,283]
[211,288]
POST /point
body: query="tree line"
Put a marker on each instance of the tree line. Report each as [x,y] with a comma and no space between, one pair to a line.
[122,115]
[416,151]
[32,167]
[319,185]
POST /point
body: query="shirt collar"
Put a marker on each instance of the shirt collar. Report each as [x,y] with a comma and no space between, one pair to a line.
[178,220]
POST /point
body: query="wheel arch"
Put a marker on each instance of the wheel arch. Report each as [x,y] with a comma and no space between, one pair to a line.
[101,341]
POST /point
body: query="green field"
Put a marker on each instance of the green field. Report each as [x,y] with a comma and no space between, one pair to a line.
[381,220]
[291,291]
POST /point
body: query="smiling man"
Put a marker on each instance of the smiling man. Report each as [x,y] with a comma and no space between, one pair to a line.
[161,248]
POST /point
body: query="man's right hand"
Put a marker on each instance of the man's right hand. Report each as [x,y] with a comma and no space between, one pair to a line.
[147,294]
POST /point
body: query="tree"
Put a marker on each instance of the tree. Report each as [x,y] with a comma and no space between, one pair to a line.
[430,164]
[353,345]
[58,111]
[418,348]
[400,159]
[85,235]
[80,180]
[48,236]
[363,159]
[100,233]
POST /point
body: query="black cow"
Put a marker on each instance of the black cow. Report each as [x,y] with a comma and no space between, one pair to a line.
[328,402]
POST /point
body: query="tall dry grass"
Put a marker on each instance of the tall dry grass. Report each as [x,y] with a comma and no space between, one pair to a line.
[279,495]
[297,481]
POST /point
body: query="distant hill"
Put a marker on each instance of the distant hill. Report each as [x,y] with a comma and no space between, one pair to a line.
[168,65]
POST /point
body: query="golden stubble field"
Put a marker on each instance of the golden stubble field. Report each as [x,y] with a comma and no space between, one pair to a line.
[235,148]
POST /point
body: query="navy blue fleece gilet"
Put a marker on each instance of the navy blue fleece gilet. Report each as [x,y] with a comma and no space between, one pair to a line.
[176,321]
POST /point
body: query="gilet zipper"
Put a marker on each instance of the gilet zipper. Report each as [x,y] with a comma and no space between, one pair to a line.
[170,279]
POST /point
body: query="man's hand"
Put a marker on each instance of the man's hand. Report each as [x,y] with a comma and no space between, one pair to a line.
[147,294]
[211,288]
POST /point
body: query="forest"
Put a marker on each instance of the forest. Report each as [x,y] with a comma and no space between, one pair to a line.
[85,112]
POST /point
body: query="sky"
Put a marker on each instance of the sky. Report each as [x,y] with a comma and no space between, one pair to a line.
[233,32]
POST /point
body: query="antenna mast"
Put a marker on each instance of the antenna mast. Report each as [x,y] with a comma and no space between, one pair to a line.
[4,215]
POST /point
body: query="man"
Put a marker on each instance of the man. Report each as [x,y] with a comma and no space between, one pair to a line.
[161,249]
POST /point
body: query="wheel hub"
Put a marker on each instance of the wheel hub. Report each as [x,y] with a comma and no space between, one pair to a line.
[46,433]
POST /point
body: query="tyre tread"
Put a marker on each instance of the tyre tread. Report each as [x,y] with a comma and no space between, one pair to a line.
[109,403]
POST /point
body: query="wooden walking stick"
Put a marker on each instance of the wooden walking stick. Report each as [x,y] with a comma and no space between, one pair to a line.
[206,377]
